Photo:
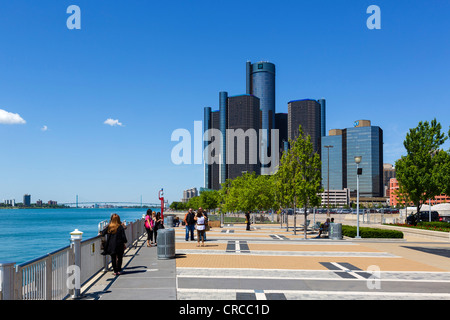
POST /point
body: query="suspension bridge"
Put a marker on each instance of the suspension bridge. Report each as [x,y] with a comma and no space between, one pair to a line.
[112,203]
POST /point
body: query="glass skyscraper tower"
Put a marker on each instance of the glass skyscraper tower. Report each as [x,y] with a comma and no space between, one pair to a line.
[260,82]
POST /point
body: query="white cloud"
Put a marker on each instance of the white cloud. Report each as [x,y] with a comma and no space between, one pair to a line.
[44,128]
[113,122]
[10,118]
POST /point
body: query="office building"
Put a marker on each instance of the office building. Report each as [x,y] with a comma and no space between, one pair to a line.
[362,140]
[307,113]
[332,148]
[243,152]
[367,141]
[27,200]
[323,119]
[260,82]
[336,198]
[396,199]
[388,173]
[188,194]
[236,115]
[11,202]
[211,168]
[281,120]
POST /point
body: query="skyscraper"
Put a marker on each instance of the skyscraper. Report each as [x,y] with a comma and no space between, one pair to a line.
[362,140]
[367,141]
[27,200]
[223,109]
[323,119]
[260,82]
[243,114]
[307,113]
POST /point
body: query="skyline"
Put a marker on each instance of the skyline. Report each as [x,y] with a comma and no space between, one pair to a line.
[96,107]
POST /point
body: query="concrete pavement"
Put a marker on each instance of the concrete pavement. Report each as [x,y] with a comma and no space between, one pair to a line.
[269,262]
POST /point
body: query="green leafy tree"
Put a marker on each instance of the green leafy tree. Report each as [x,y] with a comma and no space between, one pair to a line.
[299,177]
[424,171]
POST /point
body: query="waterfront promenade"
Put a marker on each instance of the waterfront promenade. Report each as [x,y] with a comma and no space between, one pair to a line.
[270,263]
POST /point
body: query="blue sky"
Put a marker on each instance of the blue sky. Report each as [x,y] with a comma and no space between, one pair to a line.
[154,66]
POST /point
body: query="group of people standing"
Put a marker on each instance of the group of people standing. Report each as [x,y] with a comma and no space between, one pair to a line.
[153,223]
[116,239]
[196,220]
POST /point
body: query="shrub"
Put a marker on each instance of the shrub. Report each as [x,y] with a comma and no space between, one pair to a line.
[365,232]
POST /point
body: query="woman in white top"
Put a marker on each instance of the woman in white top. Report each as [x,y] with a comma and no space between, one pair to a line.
[200,218]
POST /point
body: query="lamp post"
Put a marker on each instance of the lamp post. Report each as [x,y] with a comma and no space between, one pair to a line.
[328,180]
[358,172]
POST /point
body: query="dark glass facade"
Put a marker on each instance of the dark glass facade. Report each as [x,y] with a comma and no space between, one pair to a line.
[243,113]
[260,81]
[281,123]
[323,120]
[206,126]
[306,113]
[223,109]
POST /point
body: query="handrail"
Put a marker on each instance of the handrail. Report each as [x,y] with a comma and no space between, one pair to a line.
[47,277]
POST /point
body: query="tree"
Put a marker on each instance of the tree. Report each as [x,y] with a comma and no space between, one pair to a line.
[209,200]
[299,176]
[423,172]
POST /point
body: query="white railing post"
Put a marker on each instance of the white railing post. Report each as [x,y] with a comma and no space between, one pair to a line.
[7,280]
[75,238]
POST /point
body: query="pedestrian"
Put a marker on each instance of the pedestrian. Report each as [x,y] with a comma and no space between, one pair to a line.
[115,242]
[189,221]
[200,218]
[158,224]
[149,227]
[206,220]
[247,218]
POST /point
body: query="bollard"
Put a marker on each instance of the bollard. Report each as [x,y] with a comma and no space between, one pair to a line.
[75,239]
[7,280]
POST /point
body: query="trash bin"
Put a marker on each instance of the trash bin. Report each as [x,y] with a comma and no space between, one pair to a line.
[166,244]
[169,221]
[335,231]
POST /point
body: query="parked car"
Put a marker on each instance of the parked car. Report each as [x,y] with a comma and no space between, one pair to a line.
[424,216]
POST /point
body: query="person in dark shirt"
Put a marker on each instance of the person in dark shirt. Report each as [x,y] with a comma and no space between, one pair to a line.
[115,242]
[190,224]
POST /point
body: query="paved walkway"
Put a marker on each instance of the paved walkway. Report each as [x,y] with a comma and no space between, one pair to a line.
[269,262]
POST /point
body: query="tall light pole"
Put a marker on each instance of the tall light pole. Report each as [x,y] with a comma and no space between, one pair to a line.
[358,173]
[328,180]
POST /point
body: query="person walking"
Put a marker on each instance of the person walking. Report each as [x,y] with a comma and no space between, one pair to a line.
[247,217]
[189,221]
[200,218]
[115,242]
[149,227]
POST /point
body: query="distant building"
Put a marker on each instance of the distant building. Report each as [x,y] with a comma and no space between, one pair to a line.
[11,202]
[395,199]
[188,194]
[27,200]
[39,203]
[388,174]
[338,198]
[52,203]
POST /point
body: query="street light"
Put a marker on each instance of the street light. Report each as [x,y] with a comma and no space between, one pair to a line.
[328,180]
[358,173]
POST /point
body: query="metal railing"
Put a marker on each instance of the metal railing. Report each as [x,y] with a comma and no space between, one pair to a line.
[49,277]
